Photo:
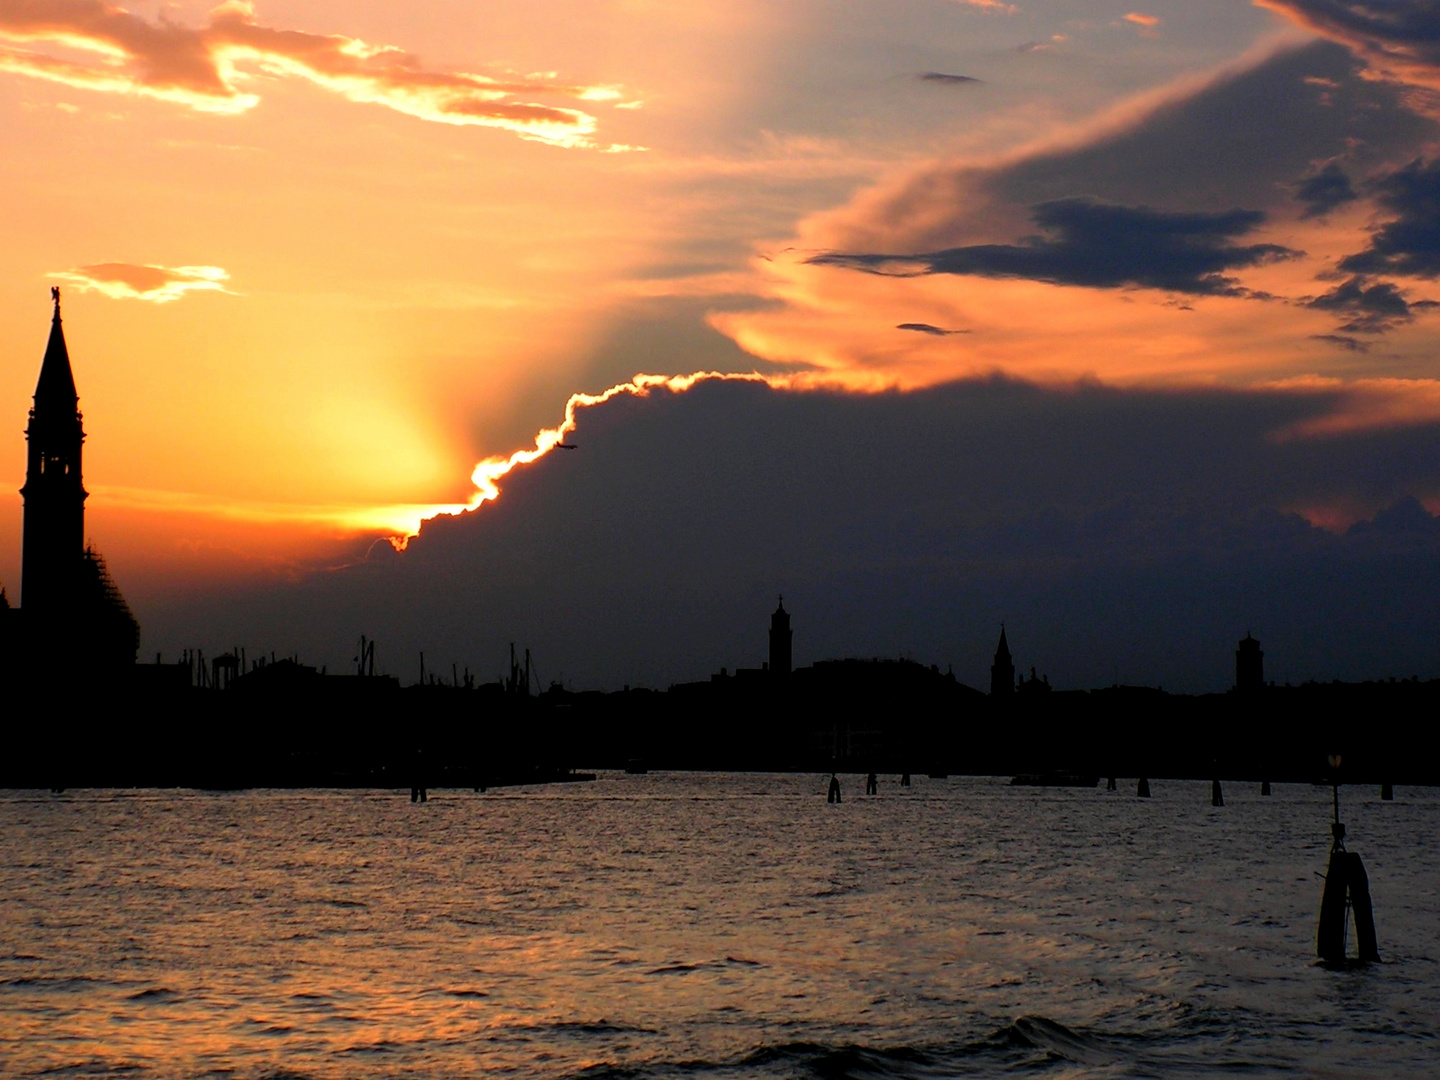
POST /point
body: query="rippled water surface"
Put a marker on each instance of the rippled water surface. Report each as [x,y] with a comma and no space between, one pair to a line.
[708,925]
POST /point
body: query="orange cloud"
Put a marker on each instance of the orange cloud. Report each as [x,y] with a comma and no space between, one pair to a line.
[990,5]
[838,327]
[206,69]
[1396,39]
[1364,404]
[1148,24]
[829,320]
[131,281]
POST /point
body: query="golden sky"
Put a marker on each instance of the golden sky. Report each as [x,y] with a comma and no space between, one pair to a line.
[319,258]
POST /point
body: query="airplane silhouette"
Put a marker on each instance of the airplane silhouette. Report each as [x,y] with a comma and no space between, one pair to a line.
[566,446]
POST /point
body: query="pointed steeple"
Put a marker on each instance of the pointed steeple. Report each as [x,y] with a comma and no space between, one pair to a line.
[54,493]
[1002,671]
[57,381]
[71,605]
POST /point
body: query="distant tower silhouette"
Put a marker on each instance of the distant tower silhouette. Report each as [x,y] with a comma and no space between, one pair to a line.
[53,545]
[780,640]
[1002,671]
[1249,665]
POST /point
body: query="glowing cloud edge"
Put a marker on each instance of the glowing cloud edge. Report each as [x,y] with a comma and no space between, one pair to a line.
[406,522]
[178,280]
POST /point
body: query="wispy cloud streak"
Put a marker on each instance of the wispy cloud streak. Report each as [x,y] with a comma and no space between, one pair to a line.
[132,281]
[992,6]
[1101,246]
[207,69]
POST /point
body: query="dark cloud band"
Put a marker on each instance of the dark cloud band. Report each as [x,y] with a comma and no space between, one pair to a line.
[948,80]
[1410,242]
[1371,307]
[927,328]
[1101,245]
[1399,37]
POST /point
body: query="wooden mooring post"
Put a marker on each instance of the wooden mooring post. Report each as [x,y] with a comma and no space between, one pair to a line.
[1347,890]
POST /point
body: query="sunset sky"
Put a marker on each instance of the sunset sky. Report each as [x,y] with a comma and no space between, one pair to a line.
[319,259]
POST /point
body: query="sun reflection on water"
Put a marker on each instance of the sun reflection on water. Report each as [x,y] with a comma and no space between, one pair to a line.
[726,925]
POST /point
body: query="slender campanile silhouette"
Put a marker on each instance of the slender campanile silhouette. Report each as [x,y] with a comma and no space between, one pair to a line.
[780,640]
[53,544]
[1249,665]
[70,607]
[1002,671]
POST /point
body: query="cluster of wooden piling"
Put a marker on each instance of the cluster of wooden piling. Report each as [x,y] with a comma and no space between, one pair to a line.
[1347,887]
[1346,891]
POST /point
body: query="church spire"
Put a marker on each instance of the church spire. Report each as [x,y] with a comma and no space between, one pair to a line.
[1002,671]
[53,544]
[57,381]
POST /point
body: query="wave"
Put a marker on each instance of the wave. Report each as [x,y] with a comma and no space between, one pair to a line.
[597,1027]
[1027,1043]
[841,1062]
[704,965]
[51,982]
[158,994]
[1054,1040]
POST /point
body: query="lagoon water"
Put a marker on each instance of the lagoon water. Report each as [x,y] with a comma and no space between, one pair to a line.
[709,926]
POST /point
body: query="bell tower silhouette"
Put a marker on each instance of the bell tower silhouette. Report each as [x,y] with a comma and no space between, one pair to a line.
[1249,665]
[1002,671]
[780,641]
[53,544]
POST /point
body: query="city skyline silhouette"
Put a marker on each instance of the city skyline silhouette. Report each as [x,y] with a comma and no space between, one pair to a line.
[1137,363]
[77,609]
